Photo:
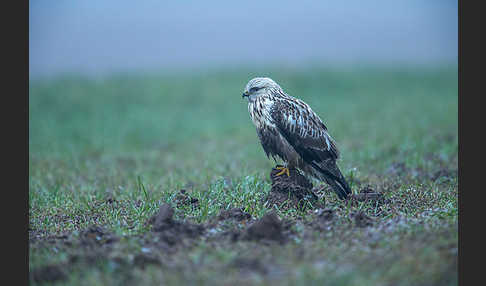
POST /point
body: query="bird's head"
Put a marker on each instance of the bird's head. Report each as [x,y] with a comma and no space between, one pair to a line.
[260,86]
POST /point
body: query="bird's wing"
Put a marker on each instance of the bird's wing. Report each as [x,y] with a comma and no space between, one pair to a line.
[306,133]
[304,130]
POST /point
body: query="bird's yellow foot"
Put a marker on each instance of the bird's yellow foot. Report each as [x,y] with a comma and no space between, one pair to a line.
[284,170]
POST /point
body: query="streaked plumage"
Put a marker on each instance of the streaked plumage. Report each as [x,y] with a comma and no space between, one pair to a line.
[288,129]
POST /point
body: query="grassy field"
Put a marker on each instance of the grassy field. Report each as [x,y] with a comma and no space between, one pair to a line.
[105,154]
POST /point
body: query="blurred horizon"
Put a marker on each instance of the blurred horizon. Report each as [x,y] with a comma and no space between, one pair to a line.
[102,38]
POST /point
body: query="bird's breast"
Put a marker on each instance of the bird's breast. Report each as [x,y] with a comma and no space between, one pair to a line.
[259,110]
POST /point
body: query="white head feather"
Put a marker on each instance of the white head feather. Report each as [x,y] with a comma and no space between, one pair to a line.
[260,86]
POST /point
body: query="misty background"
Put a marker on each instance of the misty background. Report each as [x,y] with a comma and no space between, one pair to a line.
[101,37]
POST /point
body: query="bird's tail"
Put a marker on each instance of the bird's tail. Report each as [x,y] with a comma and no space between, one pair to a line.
[340,187]
[336,180]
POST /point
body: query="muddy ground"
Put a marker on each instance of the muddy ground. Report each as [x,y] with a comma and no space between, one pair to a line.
[170,244]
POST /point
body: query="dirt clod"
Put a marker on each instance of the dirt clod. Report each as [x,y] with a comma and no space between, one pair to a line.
[48,273]
[163,217]
[172,231]
[268,227]
[361,219]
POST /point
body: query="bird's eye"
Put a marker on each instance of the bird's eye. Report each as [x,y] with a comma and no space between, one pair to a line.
[255,88]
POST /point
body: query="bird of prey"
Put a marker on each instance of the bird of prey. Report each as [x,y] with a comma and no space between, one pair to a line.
[288,129]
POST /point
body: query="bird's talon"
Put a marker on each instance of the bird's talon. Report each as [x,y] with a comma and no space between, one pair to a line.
[283,170]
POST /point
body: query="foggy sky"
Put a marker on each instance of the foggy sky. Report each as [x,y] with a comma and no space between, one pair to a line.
[99,37]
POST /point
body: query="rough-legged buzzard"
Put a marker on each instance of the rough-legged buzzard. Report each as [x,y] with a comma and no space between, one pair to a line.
[289,129]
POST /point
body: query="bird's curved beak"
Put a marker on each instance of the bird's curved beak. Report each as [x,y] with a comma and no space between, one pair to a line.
[245,94]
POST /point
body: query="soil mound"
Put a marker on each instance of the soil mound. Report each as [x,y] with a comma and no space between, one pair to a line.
[268,227]
[170,230]
[293,191]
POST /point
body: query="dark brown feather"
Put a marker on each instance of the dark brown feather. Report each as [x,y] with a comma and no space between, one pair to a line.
[309,138]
